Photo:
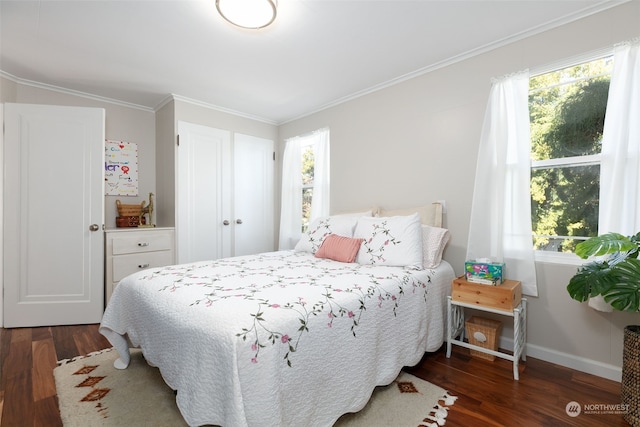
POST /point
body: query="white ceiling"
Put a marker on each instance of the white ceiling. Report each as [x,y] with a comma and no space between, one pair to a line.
[318,52]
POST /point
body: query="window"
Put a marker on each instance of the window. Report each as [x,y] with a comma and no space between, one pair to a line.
[567,110]
[305,184]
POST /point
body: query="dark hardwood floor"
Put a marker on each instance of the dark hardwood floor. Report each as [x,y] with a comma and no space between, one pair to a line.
[487,393]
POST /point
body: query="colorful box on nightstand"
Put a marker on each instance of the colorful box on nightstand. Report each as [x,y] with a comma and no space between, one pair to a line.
[488,273]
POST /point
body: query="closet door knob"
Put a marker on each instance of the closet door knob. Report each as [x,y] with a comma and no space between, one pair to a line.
[238,221]
[225,222]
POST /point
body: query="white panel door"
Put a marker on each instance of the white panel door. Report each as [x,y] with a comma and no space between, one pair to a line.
[53,215]
[203,208]
[253,194]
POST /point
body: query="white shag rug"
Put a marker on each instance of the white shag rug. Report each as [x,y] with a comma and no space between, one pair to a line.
[91,392]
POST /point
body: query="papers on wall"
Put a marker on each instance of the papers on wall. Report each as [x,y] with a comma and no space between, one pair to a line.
[121,168]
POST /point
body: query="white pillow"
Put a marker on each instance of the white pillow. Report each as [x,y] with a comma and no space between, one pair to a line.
[395,241]
[434,240]
[322,227]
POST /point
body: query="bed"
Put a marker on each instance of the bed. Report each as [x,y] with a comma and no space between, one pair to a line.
[288,338]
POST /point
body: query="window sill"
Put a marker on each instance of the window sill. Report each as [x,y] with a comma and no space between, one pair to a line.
[558,258]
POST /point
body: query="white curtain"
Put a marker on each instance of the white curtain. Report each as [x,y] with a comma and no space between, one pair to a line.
[620,165]
[321,175]
[291,200]
[500,226]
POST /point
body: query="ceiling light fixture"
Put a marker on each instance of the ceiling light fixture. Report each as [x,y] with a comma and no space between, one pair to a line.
[251,14]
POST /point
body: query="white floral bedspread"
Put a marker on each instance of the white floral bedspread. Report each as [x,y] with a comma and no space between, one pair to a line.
[277,339]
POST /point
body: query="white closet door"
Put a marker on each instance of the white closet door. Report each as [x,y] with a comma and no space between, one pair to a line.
[253,194]
[224,194]
[203,208]
[53,215]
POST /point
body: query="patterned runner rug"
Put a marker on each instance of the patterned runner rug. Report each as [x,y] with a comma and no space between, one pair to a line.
[91,392]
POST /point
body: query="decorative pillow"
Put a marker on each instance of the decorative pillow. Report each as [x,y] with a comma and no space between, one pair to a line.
[395,241]
[434,240]
[339,248]
[321,228]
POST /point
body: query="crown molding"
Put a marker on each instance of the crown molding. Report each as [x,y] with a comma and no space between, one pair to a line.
[73,92]
[175,97]
[588,11]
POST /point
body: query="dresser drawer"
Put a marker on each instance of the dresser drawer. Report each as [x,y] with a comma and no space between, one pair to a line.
[142,242]
[124,265]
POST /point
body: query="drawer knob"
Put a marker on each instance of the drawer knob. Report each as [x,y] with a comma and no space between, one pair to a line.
[143,244]
[143,265]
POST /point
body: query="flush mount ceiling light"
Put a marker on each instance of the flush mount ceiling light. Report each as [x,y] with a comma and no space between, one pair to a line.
[251,14]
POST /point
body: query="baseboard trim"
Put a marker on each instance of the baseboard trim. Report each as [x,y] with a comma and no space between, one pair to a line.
[578,363]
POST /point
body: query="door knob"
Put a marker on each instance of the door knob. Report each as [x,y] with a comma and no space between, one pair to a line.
[238,221]
[94,227]
[225,222]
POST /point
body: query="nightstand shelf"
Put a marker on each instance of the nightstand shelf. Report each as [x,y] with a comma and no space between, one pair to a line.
[456,328]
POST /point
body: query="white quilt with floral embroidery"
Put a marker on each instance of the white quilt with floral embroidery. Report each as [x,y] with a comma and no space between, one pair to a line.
[278,339]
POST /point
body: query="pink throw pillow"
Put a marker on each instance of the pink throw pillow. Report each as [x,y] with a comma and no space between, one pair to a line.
[339,248]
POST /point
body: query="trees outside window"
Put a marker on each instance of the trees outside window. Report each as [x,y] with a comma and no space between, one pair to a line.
[567,110]
[307,184]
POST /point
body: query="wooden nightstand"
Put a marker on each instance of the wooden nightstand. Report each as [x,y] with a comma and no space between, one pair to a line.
[504,299]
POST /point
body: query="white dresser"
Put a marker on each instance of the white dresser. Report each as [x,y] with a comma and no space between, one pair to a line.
[129,250]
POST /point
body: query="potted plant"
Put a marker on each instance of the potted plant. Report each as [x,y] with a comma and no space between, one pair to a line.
[615,275]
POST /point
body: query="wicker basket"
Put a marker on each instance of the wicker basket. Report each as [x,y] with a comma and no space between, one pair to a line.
[129,210]
[631,374]
[129,221]
[483,333]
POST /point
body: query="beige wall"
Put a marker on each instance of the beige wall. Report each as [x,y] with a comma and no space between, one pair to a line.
[417,142]
[165,164]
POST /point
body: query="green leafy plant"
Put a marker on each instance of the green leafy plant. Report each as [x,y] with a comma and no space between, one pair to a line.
[614,273]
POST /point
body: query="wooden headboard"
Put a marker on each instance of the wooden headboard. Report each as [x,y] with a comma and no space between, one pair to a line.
[429,214]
